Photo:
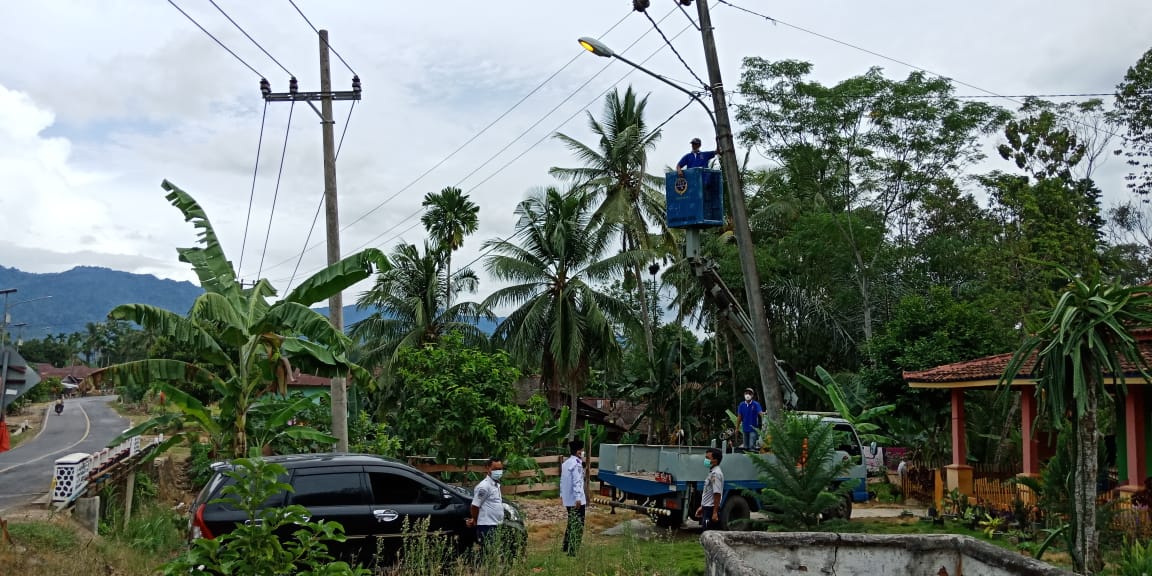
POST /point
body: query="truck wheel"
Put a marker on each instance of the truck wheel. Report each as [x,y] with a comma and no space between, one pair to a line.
[672,521]
[842,511]
[736,510]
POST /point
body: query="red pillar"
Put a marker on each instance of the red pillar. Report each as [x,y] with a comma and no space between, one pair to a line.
[1134,431]
[1027,420]
[959,447]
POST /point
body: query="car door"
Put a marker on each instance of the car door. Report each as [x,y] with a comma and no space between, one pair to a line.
[402,501]
[220,512]
[336,494]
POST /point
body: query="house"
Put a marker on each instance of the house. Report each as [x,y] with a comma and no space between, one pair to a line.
[617,416]
[71,377]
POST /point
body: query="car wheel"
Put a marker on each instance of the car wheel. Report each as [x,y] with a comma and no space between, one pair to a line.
[736,510]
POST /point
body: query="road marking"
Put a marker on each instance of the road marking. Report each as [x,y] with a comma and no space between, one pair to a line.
[87,430]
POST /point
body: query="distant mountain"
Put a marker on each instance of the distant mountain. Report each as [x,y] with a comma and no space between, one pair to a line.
[86,294]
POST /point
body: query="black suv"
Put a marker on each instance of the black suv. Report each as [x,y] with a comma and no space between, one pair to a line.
[370,496]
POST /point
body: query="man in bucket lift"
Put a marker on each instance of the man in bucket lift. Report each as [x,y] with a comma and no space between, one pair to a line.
[695,159]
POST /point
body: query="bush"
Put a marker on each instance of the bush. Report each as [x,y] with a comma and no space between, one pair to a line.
[799,471]
[1135,559]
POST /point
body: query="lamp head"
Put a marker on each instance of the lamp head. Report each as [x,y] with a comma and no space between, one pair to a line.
[596,47]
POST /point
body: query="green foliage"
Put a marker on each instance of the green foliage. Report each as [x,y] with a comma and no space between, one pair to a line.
[548,429]
[274,421]
[458,402]
[366,436]
[235,342]
[198,468]
[800,470]
[1135,559]
[1134,112]
[864,419]
[255,548]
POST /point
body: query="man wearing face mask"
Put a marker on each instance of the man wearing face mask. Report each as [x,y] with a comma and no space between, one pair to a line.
[572,496]
[712,495]
[748,418]
[488,504]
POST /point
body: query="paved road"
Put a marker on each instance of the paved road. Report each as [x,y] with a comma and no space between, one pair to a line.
[87,425]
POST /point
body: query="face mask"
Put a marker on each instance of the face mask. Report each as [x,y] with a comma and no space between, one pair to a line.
[497,474]
[580,454]
[707,462]
[748,397]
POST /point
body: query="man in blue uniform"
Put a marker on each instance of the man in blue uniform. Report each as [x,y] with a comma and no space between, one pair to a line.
[696,158]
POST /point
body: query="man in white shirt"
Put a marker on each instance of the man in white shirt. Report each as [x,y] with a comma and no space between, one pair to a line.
[488,504]
[713,492]
[572,496]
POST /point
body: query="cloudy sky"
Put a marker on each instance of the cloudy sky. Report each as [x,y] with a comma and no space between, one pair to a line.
[101,101]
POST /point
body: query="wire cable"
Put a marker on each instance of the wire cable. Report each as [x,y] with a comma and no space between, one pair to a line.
[202,29]
[317,31]
[990,93]
[687,15]
[245,33]
[674,50]
[316,216]
[252,192]
[276,191]
[462,146]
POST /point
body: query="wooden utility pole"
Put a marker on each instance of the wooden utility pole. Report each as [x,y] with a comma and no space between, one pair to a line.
[765,358]
[339,386]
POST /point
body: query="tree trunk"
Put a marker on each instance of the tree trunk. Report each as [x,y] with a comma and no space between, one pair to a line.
[1086,542]
[1005,452]
[645,316]
[447,281]
[573,402]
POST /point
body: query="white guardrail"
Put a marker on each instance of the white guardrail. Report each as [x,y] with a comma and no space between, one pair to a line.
[75,471]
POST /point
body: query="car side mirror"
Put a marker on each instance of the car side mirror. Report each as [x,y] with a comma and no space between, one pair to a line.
[445,495]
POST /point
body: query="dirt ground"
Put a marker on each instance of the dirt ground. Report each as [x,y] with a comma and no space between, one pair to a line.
[31,418]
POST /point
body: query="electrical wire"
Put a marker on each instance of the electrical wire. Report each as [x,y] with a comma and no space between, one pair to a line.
[990,93]
[317,31]
[316,216]
[252,192]
[276,191]
[686,14]
[673,47]
[462,146]
[202,29]
[249,36]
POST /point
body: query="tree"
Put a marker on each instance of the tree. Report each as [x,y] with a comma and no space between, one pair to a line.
[800,469]
[554,261]
[616,172]
[410,306]
[449,216]
[458,402]
[1134,112]
[1085,341]
[242,344]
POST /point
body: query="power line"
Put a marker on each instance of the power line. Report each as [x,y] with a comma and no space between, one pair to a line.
[317,31]
[316,216]
[252,192]
[674,50]
[898,61]
[229,50]
[461,147]
[245,33]
[276,191]
[533,126]
[686,15]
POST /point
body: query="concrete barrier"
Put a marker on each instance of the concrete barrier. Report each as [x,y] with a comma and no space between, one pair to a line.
[776,554]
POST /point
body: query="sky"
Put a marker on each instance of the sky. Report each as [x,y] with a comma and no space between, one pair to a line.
[102,101]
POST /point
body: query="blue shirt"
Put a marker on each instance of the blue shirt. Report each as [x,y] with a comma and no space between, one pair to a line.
[749,415]
[572,482]
[696,159]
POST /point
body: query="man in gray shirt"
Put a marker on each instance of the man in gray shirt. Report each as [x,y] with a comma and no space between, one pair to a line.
[713,492]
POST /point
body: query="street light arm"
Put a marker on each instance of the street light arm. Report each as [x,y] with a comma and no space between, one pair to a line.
[690,94]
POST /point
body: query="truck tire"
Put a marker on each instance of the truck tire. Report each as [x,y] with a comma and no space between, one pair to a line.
[672,521]
[735,511]
[843,511]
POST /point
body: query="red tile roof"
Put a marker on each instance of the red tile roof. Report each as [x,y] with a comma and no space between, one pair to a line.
[77,371]
[988,370]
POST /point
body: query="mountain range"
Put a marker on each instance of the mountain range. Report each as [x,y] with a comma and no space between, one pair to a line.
[64,302]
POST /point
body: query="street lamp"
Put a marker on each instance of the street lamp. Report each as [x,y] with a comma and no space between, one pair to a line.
[20,334]
[602,50]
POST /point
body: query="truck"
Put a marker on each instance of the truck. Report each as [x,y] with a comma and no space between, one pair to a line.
[666,481]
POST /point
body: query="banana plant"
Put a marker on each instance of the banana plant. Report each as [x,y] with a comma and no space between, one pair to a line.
[831,393]
[242,340]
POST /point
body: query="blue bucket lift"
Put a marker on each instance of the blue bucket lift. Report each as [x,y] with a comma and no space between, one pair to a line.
[696,199]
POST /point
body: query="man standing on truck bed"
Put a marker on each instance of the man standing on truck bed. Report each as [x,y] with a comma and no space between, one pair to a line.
[572,496]
[748,418]
[713,493]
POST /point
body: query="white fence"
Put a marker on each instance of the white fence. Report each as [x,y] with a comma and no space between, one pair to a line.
[75,471]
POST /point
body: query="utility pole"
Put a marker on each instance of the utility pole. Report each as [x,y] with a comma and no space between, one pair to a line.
[4,353]
[765,358]
[339,385]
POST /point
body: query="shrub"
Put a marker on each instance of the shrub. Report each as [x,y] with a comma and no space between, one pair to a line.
[799,471]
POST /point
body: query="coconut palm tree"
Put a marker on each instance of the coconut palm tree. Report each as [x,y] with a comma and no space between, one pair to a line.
[615,171]
[409,300]
[449,216]
[1085,342]
[242,343]
[554,261]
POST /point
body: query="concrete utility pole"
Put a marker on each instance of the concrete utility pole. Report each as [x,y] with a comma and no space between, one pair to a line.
[339,386]
[765,358]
